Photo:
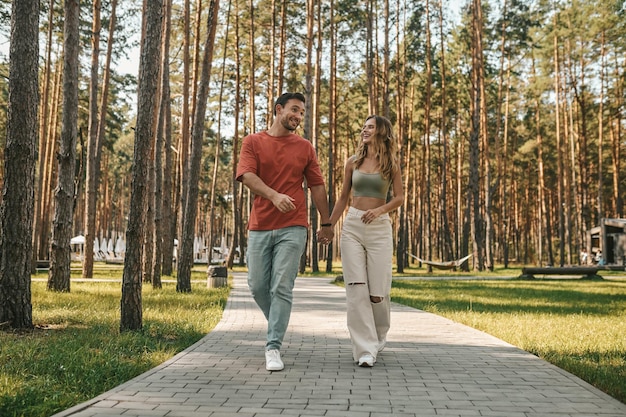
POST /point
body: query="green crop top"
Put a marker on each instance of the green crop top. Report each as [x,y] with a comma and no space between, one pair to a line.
[369,185]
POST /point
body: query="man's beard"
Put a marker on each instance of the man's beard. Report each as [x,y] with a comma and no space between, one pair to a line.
[287,125]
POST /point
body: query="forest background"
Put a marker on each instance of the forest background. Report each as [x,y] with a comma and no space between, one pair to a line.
[508,116]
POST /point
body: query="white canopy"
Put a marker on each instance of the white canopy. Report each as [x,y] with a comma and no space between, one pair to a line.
[77,240]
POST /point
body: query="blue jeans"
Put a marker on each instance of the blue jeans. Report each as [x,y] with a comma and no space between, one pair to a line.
[273,261]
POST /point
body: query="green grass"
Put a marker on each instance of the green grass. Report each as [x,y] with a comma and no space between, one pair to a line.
[578,325]
[76,351]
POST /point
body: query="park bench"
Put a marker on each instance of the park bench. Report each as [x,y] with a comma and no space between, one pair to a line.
[42,265]
[529,272]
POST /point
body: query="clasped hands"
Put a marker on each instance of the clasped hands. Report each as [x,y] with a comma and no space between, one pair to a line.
[325,235]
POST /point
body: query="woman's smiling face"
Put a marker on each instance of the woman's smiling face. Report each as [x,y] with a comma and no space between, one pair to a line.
[368,132]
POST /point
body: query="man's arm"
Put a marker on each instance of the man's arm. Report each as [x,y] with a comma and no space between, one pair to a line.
[282,202]
[320,198]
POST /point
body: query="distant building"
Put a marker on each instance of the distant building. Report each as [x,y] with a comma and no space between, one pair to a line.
[608,239]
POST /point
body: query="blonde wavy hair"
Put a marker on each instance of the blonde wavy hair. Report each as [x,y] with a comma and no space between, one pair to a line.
[383,146]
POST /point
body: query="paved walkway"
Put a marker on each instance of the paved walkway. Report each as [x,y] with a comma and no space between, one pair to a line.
[430,367]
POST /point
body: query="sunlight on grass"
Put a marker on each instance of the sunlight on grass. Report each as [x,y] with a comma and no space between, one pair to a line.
[77,352]
[577,325]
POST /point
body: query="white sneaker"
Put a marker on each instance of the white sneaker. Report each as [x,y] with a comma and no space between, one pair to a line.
[273,361]
[366,361]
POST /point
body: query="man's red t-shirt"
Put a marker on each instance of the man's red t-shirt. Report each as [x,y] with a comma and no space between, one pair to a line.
[282,163]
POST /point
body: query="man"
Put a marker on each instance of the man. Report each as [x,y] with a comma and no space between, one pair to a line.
[273,165]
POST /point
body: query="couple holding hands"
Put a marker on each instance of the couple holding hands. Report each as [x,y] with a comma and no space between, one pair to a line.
[274,164]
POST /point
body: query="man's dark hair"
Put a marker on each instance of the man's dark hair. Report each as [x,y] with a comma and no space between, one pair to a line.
[285,97]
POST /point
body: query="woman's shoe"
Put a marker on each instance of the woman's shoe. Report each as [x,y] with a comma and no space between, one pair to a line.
[366,361]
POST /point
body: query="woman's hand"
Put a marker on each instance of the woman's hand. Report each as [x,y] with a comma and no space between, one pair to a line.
[371,215]
[325,235]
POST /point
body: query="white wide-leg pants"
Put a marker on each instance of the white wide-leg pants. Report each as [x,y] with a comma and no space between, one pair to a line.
[366,255]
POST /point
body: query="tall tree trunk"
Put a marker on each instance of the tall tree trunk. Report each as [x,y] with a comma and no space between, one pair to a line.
[500,225]
[281,55]
[196,59]
[369,58]
[182,182]
[163,132]
[410,210]
[189,219]
[218,142]
[385,68]
[474,176]
[237,204]
[487,204]
[252,49]
[149,68]
[16,208]
[428,221]
[445,223]
[560,157]
[95,149]
[169,216]
[104,105]
[40,245]
[544,229]
[401,250]
[332,125]
[92,144]
[50,163]
[317,100]
[148,233]
[615,126]
[309,133]
[601,204]
[272,63]
[60,259]
[508,188]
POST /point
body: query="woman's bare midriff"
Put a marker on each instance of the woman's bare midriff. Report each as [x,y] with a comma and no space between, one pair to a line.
[366,203]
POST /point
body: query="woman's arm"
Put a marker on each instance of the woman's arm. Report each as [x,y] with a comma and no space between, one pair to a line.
[346,189]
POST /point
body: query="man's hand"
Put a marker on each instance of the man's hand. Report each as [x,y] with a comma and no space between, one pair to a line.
[283,202]
[325,235]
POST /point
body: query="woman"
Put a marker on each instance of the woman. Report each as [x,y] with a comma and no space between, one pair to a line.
[366,238]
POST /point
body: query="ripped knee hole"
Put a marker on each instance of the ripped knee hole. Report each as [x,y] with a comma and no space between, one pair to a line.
[374,299]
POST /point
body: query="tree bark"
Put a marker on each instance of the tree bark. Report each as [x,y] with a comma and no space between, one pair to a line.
[448,251]
[182,181]
[310,134]
[560,157]
[16,209]
[149,68]
[237,204]
[218,144]
[91,190]
[428,226]
[60,259]
[163,131]
[189,218]
[476,224]
[40,241]
[332,125]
